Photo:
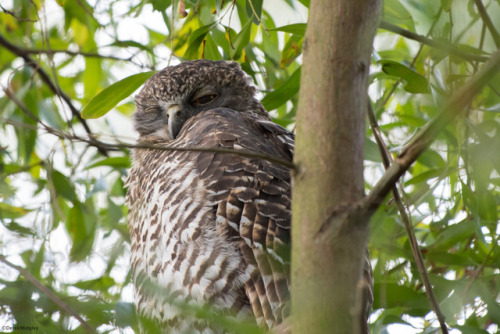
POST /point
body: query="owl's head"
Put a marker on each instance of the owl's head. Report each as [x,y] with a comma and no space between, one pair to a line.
[173,95]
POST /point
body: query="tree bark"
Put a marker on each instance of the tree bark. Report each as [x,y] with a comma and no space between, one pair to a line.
[328,237]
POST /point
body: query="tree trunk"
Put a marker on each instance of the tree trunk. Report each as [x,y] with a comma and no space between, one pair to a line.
[328,239]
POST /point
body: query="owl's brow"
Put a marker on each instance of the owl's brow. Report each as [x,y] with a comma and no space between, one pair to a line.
[153,108]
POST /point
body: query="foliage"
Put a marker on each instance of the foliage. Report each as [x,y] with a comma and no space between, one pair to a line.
[61,189]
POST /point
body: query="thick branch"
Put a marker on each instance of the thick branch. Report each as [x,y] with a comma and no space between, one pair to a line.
[327,266]
[441,45]
[52,296]
[48,81]
[427,135]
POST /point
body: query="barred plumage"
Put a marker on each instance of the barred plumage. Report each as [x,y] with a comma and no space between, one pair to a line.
[208,228]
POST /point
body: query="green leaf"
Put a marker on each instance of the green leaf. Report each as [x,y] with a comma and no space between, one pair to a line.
[62,186]
[254,7]
[195,40]
[112,95]
[211,49]
[292,49]
[283,93]
[161,5]
[81,231]
[446,5]
[116,162]
[305,2]
[12,212]
[241,40]
[389,295]
[415,83]
[454,234]
[17,228]
[99,284]
[92,76]
[372,152]
[396,13]
[298,29]
[125,314]
[488,209]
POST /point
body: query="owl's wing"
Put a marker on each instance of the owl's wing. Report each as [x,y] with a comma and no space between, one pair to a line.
[251,199]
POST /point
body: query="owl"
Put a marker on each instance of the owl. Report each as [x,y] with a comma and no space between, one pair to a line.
[210,230]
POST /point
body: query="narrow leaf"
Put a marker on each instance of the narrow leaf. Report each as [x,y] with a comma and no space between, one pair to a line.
[415,83]
[12,212]
[283,93]
[112,95]
[117,162]
[241,40]
[298,29]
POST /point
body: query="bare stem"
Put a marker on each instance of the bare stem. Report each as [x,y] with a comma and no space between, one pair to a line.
[406,218]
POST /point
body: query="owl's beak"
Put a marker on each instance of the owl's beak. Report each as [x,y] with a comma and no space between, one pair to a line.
[175,120]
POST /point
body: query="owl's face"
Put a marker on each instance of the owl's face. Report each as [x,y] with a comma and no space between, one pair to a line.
[170,97]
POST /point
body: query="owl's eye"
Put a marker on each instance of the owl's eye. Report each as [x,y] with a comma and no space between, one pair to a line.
[202,100]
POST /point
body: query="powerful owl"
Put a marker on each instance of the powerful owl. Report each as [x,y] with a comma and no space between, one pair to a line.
[208,228]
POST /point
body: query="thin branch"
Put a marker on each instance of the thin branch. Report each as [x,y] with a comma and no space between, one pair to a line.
[258,18]
[91,141]
[428,134]
[488,22]
[52,296]
[46,78]
[446,47]
[74,53]
[102,146]
[406,218]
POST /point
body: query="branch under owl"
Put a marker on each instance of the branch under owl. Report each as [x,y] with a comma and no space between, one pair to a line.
[109,147]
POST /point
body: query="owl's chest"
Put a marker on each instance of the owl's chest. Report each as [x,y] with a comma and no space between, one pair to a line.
[174,243]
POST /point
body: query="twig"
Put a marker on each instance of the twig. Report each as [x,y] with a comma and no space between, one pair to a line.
[258,18]
[6,11]
[46,78]
[488,22]
[432,43]
[428,134]
[52,296]
[406,218]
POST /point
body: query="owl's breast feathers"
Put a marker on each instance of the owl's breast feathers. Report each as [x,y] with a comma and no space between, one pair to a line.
[212,228]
